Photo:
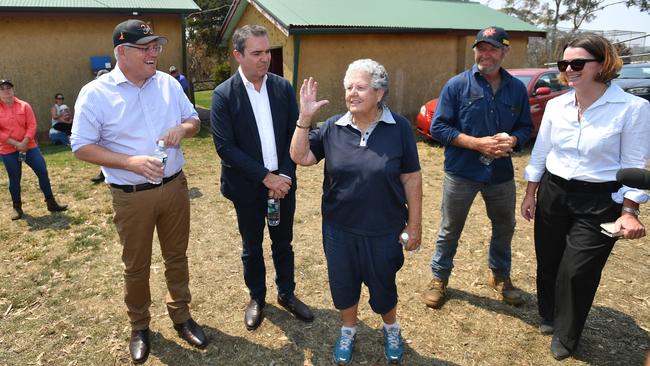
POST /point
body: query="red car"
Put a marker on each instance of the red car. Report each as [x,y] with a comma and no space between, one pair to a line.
[542,85]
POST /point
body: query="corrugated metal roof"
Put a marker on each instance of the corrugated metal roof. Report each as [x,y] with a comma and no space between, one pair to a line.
[62,5]
[411,14]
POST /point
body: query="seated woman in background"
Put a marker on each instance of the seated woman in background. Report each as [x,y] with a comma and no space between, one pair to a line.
[61,122]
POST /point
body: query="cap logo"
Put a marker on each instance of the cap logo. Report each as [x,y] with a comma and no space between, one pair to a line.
[145,29]
[121,36]
[505,42]
[489,32]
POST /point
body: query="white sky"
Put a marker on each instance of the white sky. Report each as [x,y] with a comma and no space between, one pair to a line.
[615,17]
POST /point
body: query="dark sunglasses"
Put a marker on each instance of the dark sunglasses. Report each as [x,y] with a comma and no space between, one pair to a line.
[577,64]
[59,98]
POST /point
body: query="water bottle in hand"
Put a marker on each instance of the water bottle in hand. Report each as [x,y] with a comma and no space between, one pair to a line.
[404,240]
[160,154]
[273,211]
[487,160]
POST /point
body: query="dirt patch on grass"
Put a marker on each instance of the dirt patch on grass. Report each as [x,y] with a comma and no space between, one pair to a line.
[61,285]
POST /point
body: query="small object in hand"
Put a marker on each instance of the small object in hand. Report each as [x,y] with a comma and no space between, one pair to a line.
[608,229]
[404,239]
[22,156]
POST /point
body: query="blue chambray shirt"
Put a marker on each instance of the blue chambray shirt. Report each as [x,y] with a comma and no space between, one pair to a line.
[468,105]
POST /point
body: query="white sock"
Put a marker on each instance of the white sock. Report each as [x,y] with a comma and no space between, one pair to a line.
[351,330]
[394,326]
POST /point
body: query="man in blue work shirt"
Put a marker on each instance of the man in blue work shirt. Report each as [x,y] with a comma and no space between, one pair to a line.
[482,115]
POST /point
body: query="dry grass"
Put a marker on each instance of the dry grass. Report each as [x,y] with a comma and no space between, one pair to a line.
[61,286]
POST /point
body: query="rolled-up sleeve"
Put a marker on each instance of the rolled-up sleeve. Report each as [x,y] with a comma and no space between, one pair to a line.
[85,129]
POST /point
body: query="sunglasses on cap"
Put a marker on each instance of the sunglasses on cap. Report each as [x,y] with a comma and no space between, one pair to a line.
[577,64]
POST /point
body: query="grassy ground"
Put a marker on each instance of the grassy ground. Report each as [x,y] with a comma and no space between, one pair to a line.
[203,98]
[61,285]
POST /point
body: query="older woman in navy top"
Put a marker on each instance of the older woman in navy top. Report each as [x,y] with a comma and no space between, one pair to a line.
[372,194]
[586,136]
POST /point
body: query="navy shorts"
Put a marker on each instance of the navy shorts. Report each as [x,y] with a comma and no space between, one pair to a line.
[355,259]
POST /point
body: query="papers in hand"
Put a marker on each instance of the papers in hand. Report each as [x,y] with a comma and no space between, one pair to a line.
[608,229]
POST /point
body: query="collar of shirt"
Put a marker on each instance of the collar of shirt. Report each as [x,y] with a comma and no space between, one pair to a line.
[346,120]
[611,95]
[247,83]
[505,76]
[117,77]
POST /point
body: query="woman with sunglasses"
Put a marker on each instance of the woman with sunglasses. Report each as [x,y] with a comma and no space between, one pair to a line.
[586,136]
[61,122]
[17,144]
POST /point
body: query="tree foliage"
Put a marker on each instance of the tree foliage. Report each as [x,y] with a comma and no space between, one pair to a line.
[204,54]
[547,14]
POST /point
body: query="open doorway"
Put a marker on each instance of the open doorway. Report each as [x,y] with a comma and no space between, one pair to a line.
[277,66]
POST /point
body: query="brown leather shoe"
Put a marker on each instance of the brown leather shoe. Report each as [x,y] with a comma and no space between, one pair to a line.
[507,292]
[192,333]
[139,345]
[254,314]
[435,294]
[296,307]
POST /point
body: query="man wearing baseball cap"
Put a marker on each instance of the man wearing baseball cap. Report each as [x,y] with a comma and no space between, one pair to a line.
[482,115]
[119,120]
[180,78]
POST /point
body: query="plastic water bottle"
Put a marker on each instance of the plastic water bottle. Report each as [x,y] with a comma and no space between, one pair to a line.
[160,154]
[273,211]
[404,240]
[22,156]
[486,160]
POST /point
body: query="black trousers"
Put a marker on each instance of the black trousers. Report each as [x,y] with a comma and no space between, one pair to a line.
[571,251]
[251,217]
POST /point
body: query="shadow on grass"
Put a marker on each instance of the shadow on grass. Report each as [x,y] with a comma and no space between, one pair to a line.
[610,337]
[318,338]
[55,221]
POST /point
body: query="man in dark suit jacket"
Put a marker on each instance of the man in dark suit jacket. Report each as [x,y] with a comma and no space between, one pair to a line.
[253,117]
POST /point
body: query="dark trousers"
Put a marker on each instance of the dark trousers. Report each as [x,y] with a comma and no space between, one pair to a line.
[571,251]
[35,160]
[251,217]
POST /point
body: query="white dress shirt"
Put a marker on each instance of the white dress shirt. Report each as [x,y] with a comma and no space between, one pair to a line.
[264,120]
[614,133]
[114,113]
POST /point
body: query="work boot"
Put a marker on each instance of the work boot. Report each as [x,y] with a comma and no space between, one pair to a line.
[434,295]
[17,212]
[507,292]
[52,206]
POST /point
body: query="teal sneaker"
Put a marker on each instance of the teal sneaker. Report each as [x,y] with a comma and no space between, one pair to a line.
[394,347]
[344,348]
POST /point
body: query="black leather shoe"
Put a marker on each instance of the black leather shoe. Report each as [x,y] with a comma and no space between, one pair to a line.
[253,315]
[139,345]
[296,307]
[558,350]
[98,178]
[546,327]
[192,333]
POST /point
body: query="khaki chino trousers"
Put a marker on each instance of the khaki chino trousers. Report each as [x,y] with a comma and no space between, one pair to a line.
[167,209]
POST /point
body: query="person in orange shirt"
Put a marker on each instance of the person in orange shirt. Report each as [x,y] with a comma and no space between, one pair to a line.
[17,144]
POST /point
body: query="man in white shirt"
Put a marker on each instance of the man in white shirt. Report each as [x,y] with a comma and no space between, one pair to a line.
[253,118]
[118,120]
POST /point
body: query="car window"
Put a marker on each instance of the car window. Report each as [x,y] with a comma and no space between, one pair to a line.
[636,72]
[524,79]
[550,80]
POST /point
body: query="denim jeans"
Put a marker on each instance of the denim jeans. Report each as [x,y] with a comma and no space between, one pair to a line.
[457,197]
[59,138]
[15,171]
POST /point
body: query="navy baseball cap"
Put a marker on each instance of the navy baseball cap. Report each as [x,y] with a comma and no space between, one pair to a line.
[135,31]
[495,36]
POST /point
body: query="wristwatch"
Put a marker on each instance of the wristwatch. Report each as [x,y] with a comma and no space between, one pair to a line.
[631,210]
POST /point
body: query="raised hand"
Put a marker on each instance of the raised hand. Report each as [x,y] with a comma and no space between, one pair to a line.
[308,104]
